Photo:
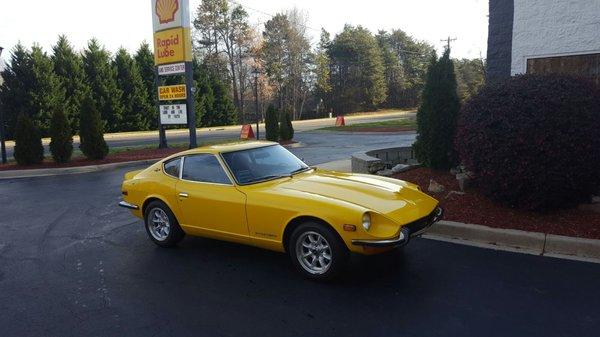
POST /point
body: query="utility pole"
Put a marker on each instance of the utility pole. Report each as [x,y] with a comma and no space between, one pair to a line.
[2,145]
[256,72]
[448,41]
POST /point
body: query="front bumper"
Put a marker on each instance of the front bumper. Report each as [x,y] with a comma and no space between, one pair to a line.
[407,231]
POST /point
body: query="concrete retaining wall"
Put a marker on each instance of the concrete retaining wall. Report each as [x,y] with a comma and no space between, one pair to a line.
[377,160]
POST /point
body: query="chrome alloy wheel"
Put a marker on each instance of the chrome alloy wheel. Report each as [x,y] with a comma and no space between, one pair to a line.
[313,252]
[159,225]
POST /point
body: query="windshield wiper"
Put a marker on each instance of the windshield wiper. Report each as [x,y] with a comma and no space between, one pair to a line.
[302,169]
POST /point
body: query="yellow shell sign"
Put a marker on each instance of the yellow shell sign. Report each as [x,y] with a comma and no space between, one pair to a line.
[172,45]
[166,9]
[172,92]
[167,14]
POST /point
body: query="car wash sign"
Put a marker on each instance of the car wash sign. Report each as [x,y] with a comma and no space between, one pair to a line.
[172,39]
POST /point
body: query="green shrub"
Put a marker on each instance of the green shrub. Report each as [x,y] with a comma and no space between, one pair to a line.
[28,142]
[286,129]
[91,131]
[532,142]
[437,115]
[272,124]
[61,143]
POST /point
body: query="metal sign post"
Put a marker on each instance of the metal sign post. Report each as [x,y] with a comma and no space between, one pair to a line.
[191,111]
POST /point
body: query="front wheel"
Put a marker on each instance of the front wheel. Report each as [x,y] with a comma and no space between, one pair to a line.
[161,225]
[317,252]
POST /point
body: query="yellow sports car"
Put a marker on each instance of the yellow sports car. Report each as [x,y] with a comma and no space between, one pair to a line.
[260,194]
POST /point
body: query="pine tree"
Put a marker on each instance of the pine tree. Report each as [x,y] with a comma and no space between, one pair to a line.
[437,116]
[323,70]
[144,58]
[68,66]
[203,96]
[101,77]
[28,142]
[15,90]
[272,124]
[91,131]
[61,143]
[286,129]
[134,98]
[45,92]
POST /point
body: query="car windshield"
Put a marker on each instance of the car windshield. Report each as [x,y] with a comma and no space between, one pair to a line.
[263,163]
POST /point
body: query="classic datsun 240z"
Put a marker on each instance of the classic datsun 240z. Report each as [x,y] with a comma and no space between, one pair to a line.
[260,194]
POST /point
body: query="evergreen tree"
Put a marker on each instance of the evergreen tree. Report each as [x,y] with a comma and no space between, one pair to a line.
[134,99]
[68,66]
[203,96]
[15,90]
[61,143]
[272,124]
[101,77]
[357,76]
[219,108]
[323,70]
[28,142]
[437,116]
[286,129]
[91,131]
[144,58]
[394,73]
[46,94]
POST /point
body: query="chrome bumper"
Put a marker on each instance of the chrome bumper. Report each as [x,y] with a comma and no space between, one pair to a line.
[401,240]
[125,204]
[405,233]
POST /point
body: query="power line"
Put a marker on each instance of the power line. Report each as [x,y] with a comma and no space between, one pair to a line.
[268,14]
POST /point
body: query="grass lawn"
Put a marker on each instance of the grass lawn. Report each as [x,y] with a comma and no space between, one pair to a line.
[403,124]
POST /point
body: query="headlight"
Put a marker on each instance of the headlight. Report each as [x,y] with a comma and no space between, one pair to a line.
[366,221]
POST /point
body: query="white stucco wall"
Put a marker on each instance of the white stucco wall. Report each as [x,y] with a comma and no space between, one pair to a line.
[544,28]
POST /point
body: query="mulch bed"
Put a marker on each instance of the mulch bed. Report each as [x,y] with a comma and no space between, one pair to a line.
[119,157]
[475,208]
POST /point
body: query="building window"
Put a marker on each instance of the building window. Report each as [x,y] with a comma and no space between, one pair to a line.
[577,65]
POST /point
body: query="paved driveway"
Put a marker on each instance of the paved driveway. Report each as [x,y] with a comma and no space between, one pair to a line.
[74,264]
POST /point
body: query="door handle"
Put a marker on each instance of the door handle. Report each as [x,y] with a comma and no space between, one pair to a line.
[183,195]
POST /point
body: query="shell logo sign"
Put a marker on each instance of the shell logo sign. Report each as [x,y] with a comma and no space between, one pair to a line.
[166,9]
[167,14]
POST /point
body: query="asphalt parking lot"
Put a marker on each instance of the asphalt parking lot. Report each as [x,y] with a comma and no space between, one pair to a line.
[72,264]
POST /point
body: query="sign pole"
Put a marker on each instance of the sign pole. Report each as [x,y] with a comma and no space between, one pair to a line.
[191,111]
[162,137]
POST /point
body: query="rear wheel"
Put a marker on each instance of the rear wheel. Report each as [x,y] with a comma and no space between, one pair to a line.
[317,252]
[161,225]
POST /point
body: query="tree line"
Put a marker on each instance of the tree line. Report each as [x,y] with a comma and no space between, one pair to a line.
[234,61]
[121,87]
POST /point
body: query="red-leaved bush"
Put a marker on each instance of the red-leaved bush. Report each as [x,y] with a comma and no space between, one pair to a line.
[533,142]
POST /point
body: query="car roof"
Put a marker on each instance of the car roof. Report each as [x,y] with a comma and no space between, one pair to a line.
[225,147]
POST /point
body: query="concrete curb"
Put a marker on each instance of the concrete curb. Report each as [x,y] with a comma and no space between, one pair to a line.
[16,174]
[516,241]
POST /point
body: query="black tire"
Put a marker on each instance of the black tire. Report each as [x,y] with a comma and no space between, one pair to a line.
[175,233]
[337,251]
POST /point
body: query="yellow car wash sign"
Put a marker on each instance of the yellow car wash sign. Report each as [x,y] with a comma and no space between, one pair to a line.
[172,92]
[172,45]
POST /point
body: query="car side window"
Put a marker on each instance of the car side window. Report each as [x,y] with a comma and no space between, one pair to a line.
[204,168]
[172,167]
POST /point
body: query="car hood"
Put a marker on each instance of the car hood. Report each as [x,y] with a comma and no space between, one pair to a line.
[396,199]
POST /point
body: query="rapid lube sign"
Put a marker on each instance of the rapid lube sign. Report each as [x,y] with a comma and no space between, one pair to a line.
[172,45]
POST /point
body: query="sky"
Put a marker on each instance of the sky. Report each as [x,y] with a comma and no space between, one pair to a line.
[127,23]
